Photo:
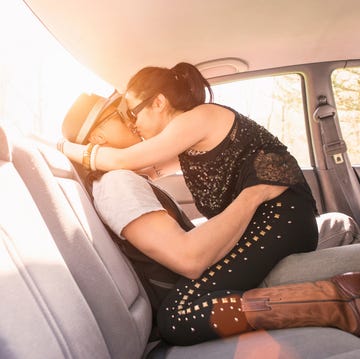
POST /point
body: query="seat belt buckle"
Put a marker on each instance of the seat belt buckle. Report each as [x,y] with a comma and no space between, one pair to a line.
[336,150]
[324,112]
[338,158]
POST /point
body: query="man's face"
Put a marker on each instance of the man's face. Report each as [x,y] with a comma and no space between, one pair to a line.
[113,132]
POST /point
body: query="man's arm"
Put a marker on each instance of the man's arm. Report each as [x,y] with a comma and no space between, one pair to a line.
[189,253]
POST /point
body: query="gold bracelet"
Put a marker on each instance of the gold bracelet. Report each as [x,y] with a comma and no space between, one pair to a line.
[93,157]
[60,145]
[86,156]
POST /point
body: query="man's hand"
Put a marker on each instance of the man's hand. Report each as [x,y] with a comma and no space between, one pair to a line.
[265,192]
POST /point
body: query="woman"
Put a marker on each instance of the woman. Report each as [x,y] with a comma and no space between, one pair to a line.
[207,303]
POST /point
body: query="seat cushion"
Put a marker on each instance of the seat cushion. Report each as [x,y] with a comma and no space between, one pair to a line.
[317,265]
[296,343]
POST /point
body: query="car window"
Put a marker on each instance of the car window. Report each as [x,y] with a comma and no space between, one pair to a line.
[346,86]
[274,102]
[39,79]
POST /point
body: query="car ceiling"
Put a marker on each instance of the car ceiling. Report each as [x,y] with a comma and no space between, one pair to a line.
[116,38]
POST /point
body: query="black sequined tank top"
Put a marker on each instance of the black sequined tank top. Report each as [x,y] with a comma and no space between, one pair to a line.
[247,156]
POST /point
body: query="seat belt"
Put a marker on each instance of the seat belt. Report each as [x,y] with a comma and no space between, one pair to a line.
[335,149]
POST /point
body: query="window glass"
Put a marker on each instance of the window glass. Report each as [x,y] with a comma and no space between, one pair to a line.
[346,85]
[274,102]
[39,80]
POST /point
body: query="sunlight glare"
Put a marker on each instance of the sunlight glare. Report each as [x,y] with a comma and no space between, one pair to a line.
[39,79]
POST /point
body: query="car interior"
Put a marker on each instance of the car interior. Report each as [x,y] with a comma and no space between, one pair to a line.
[68,289]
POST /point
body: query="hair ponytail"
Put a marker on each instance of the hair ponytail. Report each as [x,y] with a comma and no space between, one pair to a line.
[183,85]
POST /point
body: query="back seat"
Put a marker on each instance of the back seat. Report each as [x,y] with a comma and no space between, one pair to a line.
[68,291]
[113,297]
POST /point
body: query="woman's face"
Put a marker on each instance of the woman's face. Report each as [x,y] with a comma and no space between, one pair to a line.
[148,116]
[113,132]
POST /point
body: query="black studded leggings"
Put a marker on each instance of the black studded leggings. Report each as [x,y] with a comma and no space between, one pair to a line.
[207,308]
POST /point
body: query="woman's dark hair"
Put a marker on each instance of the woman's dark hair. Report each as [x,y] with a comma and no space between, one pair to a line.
[183,85]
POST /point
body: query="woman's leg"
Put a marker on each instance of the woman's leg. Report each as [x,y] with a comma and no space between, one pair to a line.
[333,303]
[279,227]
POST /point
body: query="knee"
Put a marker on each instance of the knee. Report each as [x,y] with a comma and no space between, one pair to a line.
[337,229]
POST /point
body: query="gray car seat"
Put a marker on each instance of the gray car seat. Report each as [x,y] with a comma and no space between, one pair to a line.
[68,292]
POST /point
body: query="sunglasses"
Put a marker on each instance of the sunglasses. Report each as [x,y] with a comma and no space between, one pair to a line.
[133,113]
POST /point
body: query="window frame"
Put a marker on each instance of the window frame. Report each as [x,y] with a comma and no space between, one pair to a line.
[316,82]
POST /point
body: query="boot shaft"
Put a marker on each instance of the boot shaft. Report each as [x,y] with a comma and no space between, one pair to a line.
[334,303]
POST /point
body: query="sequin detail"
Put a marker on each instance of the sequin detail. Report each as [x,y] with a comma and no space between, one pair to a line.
[248,155]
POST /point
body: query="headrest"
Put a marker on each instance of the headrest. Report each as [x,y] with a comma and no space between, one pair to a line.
[5,146]
[86,112]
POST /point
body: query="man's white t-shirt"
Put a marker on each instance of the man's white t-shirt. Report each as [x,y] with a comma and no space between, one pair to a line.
[122,196]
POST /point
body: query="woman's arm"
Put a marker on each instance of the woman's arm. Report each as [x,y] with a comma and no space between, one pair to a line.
[160,170]
[160,237]
[183,132]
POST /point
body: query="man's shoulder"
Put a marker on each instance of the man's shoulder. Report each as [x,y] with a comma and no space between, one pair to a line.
[119,181]
[123,176]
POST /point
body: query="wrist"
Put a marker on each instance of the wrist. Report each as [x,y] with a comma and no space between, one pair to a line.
[60,144]
[86,156]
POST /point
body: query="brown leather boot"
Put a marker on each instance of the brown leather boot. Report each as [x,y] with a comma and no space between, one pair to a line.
[328,303]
